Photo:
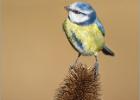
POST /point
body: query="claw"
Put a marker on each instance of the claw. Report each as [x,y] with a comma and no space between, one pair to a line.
[72,66]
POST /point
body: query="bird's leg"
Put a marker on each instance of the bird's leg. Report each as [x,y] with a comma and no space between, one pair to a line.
[96,66]
[76,60]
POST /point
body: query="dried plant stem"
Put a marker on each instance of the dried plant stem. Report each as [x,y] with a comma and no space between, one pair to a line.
[80,84]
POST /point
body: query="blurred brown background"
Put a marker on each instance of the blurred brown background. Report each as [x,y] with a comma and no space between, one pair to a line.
[37,54]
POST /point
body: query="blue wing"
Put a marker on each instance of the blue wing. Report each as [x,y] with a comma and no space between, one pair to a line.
[100,26]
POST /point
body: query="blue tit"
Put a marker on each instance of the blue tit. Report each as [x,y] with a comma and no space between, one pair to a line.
[85,31]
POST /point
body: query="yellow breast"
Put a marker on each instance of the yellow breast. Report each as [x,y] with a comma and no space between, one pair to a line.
[90,37]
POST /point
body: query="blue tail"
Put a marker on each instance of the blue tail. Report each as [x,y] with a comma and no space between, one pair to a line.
[107,51]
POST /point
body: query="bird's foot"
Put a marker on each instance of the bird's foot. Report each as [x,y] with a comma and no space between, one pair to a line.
[73,65]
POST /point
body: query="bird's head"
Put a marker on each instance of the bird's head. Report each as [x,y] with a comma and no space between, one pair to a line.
[81,13]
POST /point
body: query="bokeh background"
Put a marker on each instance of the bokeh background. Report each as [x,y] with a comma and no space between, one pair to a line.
[36,53]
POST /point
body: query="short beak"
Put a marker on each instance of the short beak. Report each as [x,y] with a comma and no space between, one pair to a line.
[67,8]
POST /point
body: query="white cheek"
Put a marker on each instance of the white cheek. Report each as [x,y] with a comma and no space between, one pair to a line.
[77,18]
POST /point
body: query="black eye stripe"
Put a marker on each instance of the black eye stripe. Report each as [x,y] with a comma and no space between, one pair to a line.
[78,12]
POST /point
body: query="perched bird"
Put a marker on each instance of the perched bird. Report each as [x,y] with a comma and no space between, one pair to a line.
[85,31]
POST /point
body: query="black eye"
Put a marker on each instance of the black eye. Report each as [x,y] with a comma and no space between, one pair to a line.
[77,12]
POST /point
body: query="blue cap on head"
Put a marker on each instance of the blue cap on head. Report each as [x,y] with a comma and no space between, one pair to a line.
[84,6]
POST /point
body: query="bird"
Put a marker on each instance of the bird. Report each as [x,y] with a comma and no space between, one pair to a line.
[85,32]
